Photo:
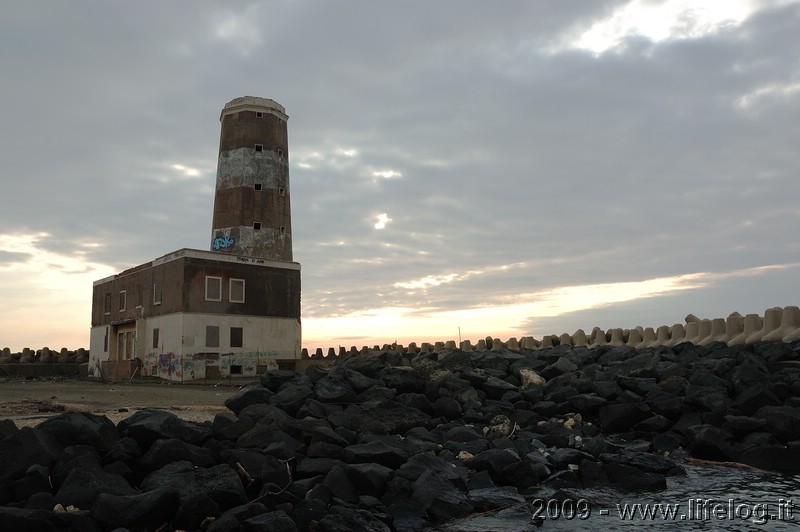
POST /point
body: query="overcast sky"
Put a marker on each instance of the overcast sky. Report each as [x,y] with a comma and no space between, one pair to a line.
[519,168]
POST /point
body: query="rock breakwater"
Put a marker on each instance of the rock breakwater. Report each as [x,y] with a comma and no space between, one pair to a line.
[393,441]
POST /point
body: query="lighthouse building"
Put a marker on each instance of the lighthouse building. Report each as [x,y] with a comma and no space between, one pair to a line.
[233,310]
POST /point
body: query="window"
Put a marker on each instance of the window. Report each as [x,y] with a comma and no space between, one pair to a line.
[236,370]
[156,293]
[155,338]
[105,340]
[280,152]
[259,114]
[123,300]
[213,288]
[139,296]
[280,120]
[236,336]
[236,290]
[212,336]
[257,187]
[283,229]
[281,191]
[108,303]
[259,147]
[257,226]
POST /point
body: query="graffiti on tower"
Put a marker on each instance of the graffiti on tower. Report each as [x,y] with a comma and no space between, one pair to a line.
[223,242]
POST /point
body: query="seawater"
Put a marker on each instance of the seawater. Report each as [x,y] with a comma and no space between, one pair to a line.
[709,497]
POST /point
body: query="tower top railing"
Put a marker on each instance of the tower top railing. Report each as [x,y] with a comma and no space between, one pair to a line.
[254,103]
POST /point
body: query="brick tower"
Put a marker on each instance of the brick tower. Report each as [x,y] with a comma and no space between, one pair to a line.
[252,215]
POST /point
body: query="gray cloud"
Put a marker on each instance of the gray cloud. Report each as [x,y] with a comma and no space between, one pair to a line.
[645,161]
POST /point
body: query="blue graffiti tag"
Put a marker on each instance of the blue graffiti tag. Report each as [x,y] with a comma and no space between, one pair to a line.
[223,242]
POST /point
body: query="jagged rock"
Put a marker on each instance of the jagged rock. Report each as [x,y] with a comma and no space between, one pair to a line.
[7,428]
[220,483]
[440,498]
[332,390]
[250,394]
[147,426]
[231,519]
[166,451]
[494,497]
[375,452]
[277,521]
[343,519]
[140,511]
[387,416]
[621,417]
[634,479]
[369,478]
[82,487]
[25,448]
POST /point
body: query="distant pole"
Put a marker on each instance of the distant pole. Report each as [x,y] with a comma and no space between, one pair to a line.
[459,335]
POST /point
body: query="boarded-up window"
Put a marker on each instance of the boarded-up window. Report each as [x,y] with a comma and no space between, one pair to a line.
[236,290]
[123,300]
[156,293]
[212,336]
[236,336]
[213,288]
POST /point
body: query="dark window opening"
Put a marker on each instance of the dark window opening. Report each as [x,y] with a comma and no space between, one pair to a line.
[281,191]
[108,304]
[283,229]
[280,120]
[236,336]
[123,300]
[213,288]
[105,342]
[280,152]
[259,114]
[257,187]
[257,226]
[259,147]
[236,370]
[156,293]
[155,338]
[212,336]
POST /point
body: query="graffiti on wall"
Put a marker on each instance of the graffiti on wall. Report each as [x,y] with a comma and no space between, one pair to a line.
[223,242]
[173,367]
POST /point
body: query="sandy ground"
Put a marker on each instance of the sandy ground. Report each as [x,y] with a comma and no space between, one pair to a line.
[29,402]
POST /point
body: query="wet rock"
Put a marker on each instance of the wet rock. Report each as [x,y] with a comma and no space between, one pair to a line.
[441,500]
[634,479]
[341,519]
[494,497]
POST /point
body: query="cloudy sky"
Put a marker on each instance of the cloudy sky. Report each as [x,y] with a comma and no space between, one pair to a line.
[519,168]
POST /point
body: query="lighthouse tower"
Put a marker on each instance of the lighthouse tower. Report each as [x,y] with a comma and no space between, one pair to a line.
[252,215]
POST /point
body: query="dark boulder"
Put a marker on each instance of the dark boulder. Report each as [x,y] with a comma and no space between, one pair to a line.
[140,511]
[621,417]
[220,483]
[278,521]
[166,451]
[249,395]
[82,487]
[441,499]
[333,390]
[147,426]
[27,447]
